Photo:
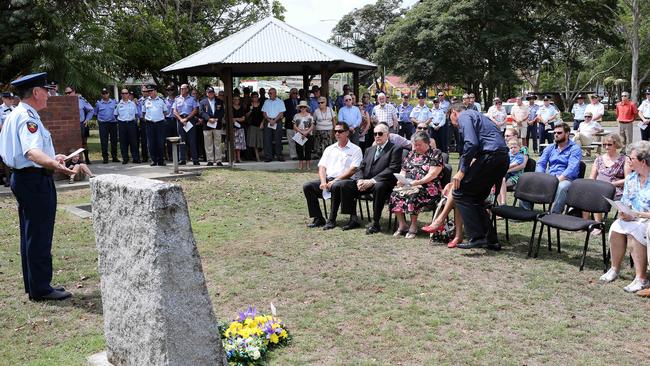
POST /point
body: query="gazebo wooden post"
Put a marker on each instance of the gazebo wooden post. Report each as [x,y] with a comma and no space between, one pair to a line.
[226,77]
[355,84]
[305,83]
[325,82]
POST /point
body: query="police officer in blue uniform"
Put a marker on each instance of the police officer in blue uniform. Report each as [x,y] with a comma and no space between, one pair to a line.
[105,112]
[127,116]
[26,146]
[155,111]
[5,108]
[483,164]
[185,108]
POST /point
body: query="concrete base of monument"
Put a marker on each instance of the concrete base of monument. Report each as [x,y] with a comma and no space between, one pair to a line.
[98,359]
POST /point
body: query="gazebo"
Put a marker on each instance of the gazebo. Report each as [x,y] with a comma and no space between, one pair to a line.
[270,47]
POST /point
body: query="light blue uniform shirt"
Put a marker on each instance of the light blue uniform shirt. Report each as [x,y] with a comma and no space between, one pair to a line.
[351,116]
[170,106]
[274,107]
[578,111]
[105,110]
[184,105]
[439,117]
[421,114]
[4,112]
[86,111]
[154,109]
[24,131]
[444,105]
[126,111]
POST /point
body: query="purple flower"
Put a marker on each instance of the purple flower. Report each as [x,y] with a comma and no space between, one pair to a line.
[250,312]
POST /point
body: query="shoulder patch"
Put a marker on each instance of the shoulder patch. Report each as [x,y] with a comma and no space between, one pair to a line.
[30,113]
[32,127]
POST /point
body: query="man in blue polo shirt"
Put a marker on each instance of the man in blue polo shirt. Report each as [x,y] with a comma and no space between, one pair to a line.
[352,116]
[105,112]
[562,159]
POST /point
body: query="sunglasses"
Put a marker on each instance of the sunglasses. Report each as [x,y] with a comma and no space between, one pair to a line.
[421,128]
[558,133]
[347,100]
[321,102]
[378,133]
[68,93]
[588,117]
[339,131]
[606,145]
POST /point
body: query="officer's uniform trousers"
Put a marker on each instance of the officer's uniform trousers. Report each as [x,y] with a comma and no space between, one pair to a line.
[36,196]
[128,131]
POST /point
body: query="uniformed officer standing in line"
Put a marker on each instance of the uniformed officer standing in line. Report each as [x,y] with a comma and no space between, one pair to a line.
[105,112]
[127,124]
[86,113]
[6,108]
[155,111]
[171,121]
[143,128]
[185,109]
[26,146]
[483,163]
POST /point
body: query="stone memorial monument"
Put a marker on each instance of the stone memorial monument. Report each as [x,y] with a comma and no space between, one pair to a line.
[155,302]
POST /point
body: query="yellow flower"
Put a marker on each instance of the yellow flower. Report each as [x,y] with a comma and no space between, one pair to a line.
[274,338]
[283,334]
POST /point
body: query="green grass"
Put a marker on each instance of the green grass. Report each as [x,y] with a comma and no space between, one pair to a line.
[348,298]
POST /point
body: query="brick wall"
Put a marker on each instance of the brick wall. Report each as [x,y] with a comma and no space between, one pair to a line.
[61,117]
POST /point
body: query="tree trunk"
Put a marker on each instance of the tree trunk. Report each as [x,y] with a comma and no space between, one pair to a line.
[634,38]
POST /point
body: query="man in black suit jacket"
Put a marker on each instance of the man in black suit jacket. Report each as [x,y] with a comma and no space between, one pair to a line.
[291,108]
[375,175]
[211,111]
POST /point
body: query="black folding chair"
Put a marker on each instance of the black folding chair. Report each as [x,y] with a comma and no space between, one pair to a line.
[585,195]
[533,187]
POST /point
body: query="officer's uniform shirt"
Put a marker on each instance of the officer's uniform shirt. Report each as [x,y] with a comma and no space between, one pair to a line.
[170,105]
[24,131]
[421,113]
[185,105]
[644,108]
[4,112]
[481,136]
[155,109]
[105,110]
[404,113]
[578,111]
[140,103]
[86,111]
[126,111]
[439,117]
[546,113]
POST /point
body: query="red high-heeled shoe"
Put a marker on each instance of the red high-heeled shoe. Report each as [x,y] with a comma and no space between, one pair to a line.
[453,243]
[432,230]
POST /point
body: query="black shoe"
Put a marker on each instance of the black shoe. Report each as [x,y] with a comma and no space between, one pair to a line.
[136,162]
[268,160]
[182,162]
[329,225]
[319,221]
[54,295]
[219,164]
[125,161]
[105,161]
[116,160]
[162,164]
[352,224]
[210,163]
[58,288]
[494,246]
[294,159]
[196,163]
[480,243]
[280,159]
[153,164]
[373,230]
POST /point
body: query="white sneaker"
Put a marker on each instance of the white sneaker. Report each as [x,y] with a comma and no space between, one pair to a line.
[610,276]
[637,285]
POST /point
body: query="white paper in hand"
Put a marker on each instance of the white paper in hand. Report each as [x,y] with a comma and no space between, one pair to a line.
[402,179]
[237,125]
[76,152]
[621,207]
[327,195]
[272,126]
[642,125]
[188,126]
[212,124]
[299,139]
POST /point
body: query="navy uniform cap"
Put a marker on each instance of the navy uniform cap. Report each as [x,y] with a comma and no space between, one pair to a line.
[209,89]
[7,95]
[104,91]
[151,87]
[422,94]
[32,81]
[647,91]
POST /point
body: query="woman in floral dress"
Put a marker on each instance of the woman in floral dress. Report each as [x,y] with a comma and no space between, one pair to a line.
[423,166]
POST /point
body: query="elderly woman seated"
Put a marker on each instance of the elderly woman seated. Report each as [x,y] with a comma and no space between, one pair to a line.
[422,167]
[630,229]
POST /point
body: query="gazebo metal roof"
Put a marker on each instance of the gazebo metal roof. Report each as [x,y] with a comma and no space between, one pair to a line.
[269,47]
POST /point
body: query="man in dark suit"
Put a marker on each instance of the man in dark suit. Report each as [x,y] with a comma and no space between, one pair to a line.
[290,106]
[211,111]
[375,176]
